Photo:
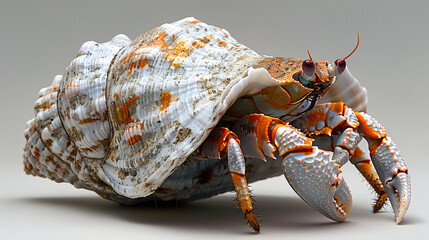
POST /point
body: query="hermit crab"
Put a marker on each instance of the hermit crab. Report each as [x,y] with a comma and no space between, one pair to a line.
[186,112]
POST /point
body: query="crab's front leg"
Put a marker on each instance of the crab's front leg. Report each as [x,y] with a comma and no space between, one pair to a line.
[345,128]
[223,141]
[311,172]
[388,163]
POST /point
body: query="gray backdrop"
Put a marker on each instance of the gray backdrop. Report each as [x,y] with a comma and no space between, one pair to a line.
[39,39]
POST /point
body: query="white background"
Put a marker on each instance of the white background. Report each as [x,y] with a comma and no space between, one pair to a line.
[39,39]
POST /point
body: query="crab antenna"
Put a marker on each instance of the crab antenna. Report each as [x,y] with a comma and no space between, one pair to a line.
[357,44]
[311,59]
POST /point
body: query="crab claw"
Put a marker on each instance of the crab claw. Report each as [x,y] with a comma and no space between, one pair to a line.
[393,173]
[317,179]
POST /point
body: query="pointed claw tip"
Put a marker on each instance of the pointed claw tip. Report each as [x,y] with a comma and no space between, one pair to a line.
[253,221]
[379,203]
[399,192]
[400,215]
[255,226]
[257,229]
[398,220]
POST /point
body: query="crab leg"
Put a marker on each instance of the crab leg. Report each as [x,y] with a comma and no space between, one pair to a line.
[348,126]
[311,172]
[362,162]
[388,163]
[220,141]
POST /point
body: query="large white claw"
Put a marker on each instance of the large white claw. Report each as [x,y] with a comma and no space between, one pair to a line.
[393,174]
[316,178]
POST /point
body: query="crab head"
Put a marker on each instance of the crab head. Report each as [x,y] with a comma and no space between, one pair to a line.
[302,83]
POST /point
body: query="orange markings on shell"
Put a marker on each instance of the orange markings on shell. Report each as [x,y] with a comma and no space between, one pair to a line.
[36,152]
[127,58]
[206,39]
[165,100]
[179,52]
[222,43]
[28,168]
[134,139]
[176,55]
[72,84]
[122,111]
[89,120]
[130,68]
[32,127]
[133,134]
[45,105]
[140,50]
[194,21]
[159,41]
[142,64]
[91,148]
[48,142]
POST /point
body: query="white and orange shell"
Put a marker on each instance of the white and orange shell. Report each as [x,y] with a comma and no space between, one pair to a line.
[126,115]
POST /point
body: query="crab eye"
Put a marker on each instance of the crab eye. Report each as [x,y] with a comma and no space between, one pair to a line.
[308,67]
[340,65]
[307,73]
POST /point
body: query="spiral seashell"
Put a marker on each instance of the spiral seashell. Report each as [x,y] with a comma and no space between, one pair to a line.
[62,140]
[88,130]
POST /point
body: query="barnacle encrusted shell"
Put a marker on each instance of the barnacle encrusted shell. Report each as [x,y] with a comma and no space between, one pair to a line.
[53,148]
[81,100]
[165,92]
